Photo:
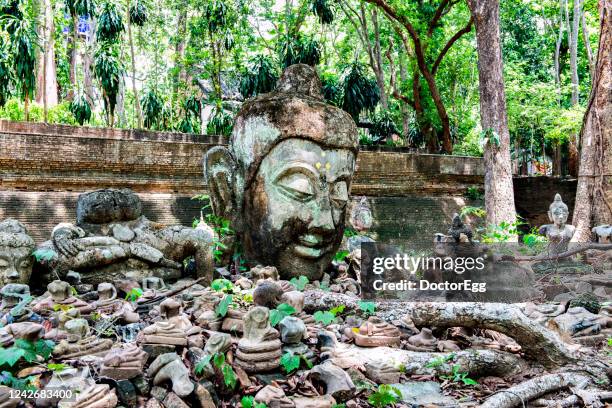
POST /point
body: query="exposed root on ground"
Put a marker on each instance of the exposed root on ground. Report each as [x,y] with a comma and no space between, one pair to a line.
[538,342]
[519,395]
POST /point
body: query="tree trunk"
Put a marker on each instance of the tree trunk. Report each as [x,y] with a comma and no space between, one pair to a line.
[133,57]
[47,75]
[73,58]
[587,46]
[88,83]
[574,51]
[562,8]
[404,108]
[499,195]
[556,168]
[594,194]
[380,75]
[180,77]
[573,48]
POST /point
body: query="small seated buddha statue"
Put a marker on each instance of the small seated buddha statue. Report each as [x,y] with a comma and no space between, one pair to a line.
[260,348]
[94,396]
[108,305]
[61,298]
[293,331]
[61,317]
[80,342]
[375,332]
[14,294]
[295,299]
[124,363]
[24,330]
[559,235]
[171,311]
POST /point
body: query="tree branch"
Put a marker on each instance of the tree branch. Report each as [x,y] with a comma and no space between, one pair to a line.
[582,248]
[437,16]
[450,43]
[392,79]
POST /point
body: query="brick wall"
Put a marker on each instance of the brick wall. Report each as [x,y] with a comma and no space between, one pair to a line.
[43,169]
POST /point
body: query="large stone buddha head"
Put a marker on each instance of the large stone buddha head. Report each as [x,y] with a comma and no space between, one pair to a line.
[16,248]
[284,179]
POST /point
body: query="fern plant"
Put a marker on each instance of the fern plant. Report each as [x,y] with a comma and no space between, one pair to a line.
[108,70]
[81,109]
[332,91]
[110,23]
[302,50]
[152,109]
[323,10]
[25,41]
[80,7]
[5,75]
[383,126]
[260,77]
[220,123]
[360,92]
[138,14]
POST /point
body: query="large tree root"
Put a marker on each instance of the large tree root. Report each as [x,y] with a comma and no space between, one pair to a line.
[520,394]
[538,342]
[476,363]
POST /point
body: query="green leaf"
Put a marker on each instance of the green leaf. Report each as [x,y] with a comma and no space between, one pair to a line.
[385,396]
[286,308]
[290,362]
[222,285]
[248,401]
[469,381]
[219,360]
[56,367]
[337,310]
[324,317]
[44,348]
[299,283]
[202,364]
[11,355]
[221,309]
[134,294]
[229,376]
[340,256]
[367,307]
[44,255]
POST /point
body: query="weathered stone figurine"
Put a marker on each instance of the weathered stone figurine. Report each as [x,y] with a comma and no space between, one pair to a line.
[16,248]
[559,235]
[285,178]
[113,240]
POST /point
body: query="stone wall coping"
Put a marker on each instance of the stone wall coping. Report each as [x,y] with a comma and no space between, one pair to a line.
[464,165]
[88,132]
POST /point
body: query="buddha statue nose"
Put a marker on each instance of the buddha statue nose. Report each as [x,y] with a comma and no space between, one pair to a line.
[322,220]
[12,273]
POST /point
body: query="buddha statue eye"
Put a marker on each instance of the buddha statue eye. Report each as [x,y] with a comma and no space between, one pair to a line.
[3,263]
[339,194]
[297,186]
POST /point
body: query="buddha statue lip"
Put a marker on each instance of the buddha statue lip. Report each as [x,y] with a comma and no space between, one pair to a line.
[312,246]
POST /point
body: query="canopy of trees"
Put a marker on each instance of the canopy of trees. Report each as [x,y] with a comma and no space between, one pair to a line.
[405,70]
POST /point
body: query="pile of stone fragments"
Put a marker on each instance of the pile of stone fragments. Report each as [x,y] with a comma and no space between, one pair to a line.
[178,346]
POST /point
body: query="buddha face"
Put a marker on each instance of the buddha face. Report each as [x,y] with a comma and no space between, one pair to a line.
[15,264]
[558,215]
[295,207]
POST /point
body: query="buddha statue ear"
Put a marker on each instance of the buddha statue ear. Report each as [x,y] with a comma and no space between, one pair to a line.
[219,173]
